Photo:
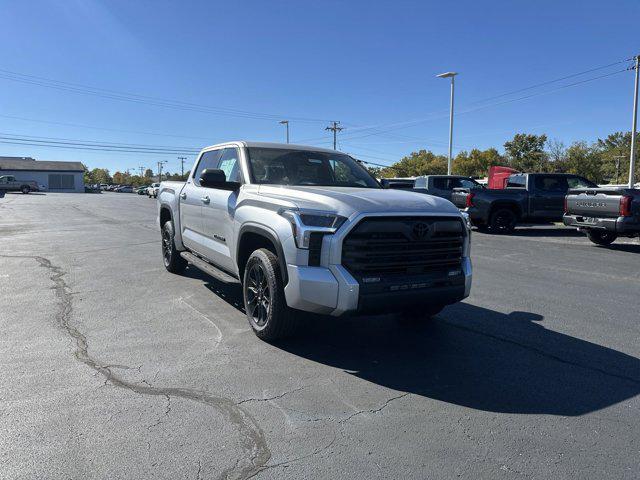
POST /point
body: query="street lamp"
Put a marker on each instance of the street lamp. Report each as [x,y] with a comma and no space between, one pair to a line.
[286,122]
[452,76]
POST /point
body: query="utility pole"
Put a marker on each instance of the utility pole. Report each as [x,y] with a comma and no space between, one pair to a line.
[141,168]
[182,159]
[286,123]
[160,163]
[632,160]
[335,129]
[452,76]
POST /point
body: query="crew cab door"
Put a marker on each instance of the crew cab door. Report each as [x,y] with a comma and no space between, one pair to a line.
[191,201]
[218,212]
[547,196]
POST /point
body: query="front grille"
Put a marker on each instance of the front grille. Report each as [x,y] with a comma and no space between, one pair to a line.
[381,246]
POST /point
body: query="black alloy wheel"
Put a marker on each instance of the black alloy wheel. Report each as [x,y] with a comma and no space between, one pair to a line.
[259,296]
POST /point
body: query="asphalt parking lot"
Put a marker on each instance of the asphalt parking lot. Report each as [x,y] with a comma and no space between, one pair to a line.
[114,368]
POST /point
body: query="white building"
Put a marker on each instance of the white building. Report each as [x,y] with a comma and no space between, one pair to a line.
[51,176]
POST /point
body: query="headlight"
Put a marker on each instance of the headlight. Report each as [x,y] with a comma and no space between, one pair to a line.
[303,223]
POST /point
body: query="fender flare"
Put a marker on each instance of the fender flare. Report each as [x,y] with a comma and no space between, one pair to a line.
[272,237]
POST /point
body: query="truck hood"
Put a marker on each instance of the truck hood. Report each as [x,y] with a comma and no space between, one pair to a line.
[347,201]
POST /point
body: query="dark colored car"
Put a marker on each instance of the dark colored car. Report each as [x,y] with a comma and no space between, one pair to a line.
[604,214]
[443,185]
[397,183]
[528,197]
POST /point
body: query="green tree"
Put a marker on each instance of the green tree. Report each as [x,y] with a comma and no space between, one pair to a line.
[615,150]
[525,152]
[477,162]
[584,160]
[148,173]
[423,162]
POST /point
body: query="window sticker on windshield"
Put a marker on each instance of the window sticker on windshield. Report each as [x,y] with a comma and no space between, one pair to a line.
[227,167]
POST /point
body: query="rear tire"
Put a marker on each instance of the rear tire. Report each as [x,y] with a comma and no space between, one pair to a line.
[25,189]
[264,301]
[173,262]
[503,220]
[601,238]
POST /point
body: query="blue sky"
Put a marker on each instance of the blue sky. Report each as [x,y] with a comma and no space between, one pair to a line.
[360,62]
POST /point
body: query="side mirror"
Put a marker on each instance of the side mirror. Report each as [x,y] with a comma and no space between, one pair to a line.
[215,178]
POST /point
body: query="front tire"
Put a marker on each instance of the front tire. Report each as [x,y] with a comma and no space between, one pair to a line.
[25,189]
[503,220]
[602,238]
[264,302]
[171,258]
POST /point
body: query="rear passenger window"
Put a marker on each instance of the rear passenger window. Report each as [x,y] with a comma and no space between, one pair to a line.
[516,182]
[441,183]
[551,184]
[230,165]
[209,160]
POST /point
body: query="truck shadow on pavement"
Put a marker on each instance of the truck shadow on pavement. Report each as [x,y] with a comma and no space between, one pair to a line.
[478,358]
[468,355]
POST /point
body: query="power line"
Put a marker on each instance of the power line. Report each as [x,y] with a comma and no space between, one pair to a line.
[77,125]
[143,99]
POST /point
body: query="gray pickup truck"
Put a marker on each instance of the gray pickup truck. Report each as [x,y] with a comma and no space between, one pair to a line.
[309,229]
[604,214]
[9,183]
[528,197]
[443,186]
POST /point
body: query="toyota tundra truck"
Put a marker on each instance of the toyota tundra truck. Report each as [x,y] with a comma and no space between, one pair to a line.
[305,229]
[604,214]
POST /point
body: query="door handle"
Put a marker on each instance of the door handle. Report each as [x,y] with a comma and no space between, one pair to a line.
[183,196]
[205,199]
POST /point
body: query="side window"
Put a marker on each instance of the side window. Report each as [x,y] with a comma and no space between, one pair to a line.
[466,183]
[420,183]
[516,181]
[579,182]
[207,160]
[440,183]
[551,184]
[230,165]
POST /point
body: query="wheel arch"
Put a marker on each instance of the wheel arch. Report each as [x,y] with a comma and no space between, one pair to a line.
[252,237]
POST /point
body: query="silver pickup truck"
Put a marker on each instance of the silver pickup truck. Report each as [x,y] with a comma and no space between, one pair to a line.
[305,229]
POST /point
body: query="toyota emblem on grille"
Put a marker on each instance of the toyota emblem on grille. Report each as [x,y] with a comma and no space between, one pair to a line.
[420,230]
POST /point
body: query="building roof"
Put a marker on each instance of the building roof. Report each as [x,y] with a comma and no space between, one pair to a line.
[6,163]
[17,158]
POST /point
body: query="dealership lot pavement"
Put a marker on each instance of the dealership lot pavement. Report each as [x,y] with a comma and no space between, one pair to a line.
[114,368]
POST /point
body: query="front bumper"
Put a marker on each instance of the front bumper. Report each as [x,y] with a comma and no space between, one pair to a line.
[334,291]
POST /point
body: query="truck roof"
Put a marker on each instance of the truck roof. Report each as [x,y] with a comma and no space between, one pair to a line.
[283,146]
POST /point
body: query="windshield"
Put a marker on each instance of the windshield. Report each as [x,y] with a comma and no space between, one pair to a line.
[276,166]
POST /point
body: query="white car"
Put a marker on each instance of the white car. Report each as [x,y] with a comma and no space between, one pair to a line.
[152,190]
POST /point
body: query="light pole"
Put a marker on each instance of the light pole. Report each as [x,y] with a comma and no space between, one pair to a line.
[286,123]
[632,160]
[452,76]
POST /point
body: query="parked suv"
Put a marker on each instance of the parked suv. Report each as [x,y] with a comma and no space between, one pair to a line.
[308,229]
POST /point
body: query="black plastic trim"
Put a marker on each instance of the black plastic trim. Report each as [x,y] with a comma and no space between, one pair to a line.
[270,236]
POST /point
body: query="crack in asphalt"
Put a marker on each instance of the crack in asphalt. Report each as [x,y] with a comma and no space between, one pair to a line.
[543,353]
[271,398]
[375,410]
[252,441]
